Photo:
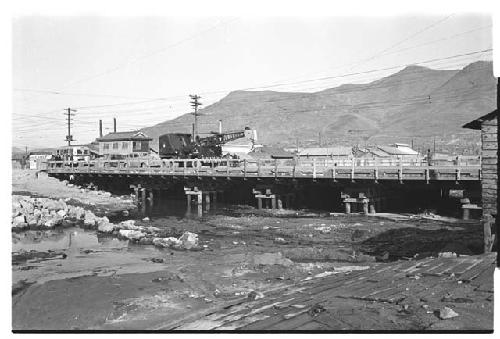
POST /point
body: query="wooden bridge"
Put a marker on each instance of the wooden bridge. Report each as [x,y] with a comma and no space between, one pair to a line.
[316,169]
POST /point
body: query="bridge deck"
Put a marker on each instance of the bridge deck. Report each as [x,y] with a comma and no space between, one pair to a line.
[237,168]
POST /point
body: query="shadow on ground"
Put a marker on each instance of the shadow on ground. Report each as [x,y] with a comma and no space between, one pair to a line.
[412,242]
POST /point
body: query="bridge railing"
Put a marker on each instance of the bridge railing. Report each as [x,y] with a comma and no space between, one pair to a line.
[305,168]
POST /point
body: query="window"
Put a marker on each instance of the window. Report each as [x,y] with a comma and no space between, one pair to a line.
[115,145]
[79,151]
[124,145]
[106,146]
[137,146]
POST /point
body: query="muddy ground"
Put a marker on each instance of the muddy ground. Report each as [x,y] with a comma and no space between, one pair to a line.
[76,279]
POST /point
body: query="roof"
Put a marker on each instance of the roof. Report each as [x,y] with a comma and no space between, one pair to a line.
[40,153]
[124,136]
[72,146]
[326,151]
[272,152]
[18,156]
[398,150]
[373,151]
[476,124]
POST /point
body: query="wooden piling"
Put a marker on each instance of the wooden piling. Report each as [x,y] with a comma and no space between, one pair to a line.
[143,200]
[279,202]
[372,207]
[347,207]
[488,239]
[365,206]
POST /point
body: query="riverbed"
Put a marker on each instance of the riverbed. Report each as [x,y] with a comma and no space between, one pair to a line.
[94,281]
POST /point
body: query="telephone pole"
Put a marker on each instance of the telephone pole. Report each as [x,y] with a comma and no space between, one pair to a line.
[69,137]
[195,103]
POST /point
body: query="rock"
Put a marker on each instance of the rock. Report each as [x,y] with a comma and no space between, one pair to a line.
[447,313]
[131,234]
[61,213]
[280,241]
[146,241]
[152,229]
[128,224]
[145,219]
[254,295]
[19,219]
[105,227]
[32,220]
[315,310]
[89,219]
[271,259]
[167,242]
[103,220]
[189,240]
[19,222]
[50,223]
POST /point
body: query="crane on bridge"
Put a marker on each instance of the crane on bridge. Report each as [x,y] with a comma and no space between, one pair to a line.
[184,146]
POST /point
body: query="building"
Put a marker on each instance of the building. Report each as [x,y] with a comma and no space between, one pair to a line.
[18,160]
[488,125]
[38,159]
[340,152]
[75,153]
[239,147]
[270,152]
[120,145]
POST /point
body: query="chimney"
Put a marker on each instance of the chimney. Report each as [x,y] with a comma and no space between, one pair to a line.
[220,126]
[114,125]
[100,128]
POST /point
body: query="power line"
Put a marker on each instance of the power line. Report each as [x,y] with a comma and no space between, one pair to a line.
[299,82]
[403,41]
[371,71]
[110,70]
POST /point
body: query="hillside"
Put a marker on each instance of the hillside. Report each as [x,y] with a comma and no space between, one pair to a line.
[414,103]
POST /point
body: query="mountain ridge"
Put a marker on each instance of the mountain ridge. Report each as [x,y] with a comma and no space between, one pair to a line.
[415,102]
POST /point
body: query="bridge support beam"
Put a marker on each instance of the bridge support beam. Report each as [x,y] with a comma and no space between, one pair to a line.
[268,198]
[202,196]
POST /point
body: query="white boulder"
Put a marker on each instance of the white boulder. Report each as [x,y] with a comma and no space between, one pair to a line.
[131,234]
[189,240]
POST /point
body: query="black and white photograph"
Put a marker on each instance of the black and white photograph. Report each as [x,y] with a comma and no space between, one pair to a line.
[211,169]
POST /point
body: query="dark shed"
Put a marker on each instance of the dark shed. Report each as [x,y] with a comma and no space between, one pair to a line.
[488,124]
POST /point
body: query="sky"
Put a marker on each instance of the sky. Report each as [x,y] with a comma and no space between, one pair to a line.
[141,70]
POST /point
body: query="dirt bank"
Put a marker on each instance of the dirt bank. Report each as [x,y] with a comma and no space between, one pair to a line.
[66,277]
[39,184]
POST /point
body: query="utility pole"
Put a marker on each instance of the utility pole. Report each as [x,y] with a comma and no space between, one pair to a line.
[195,103]
[434,145]
[69,137]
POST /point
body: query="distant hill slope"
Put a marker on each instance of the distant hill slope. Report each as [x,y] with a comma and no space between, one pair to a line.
[414,102]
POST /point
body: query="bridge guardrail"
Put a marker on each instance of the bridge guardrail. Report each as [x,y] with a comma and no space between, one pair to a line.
[273,168]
